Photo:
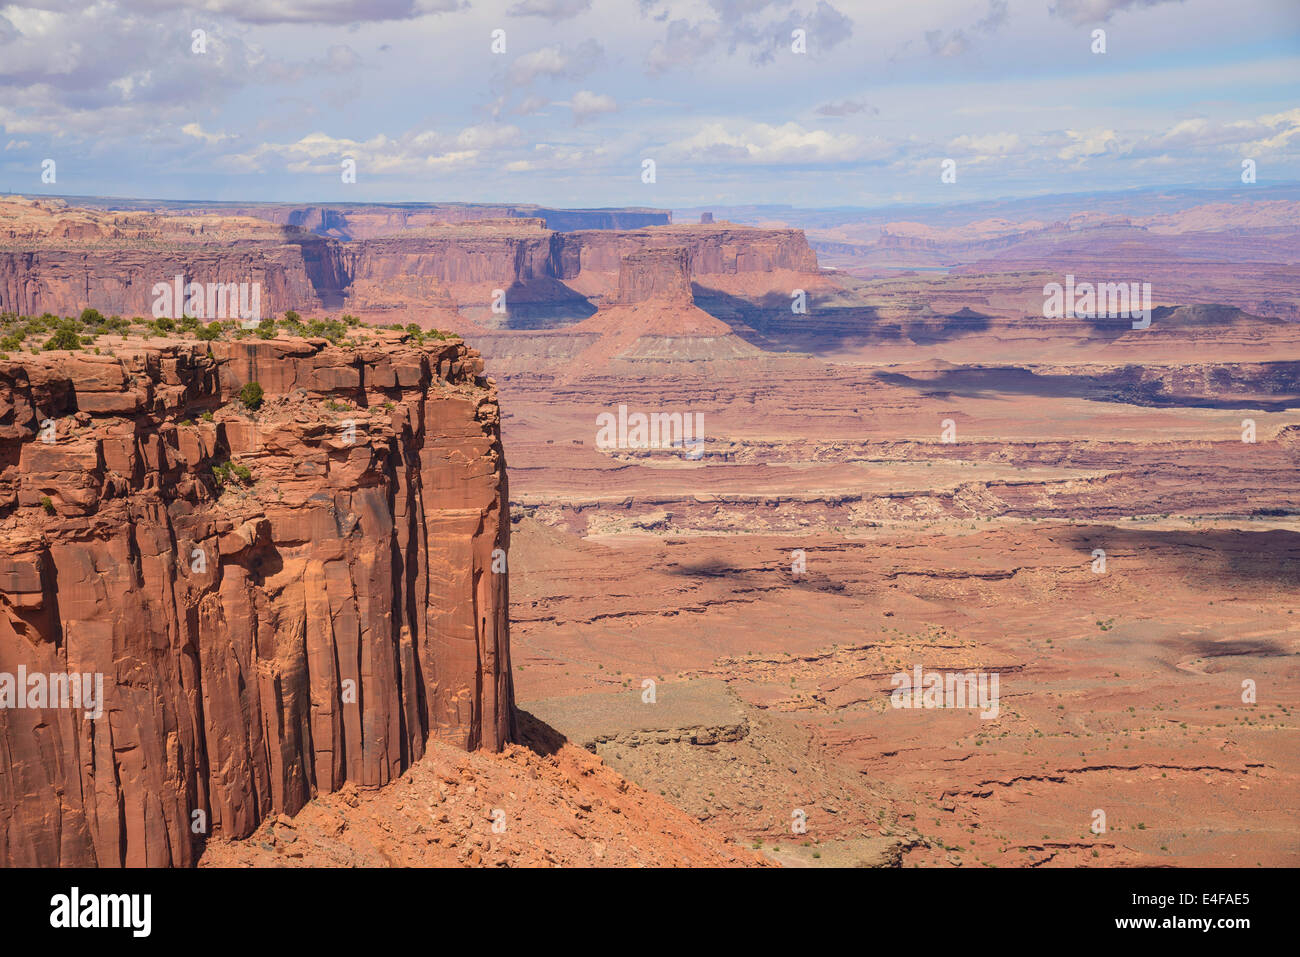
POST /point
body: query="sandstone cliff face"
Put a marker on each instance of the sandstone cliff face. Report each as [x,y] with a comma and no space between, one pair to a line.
[61,259]
[663,274]
[119,278]
[463,256]
[713,249]
[261,641]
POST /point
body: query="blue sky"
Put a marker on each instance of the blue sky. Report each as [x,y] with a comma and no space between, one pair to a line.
[586,90]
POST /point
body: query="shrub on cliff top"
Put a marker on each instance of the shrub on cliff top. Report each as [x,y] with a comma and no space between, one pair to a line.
[330,329]
[209,332]
[65,337]
[251,395]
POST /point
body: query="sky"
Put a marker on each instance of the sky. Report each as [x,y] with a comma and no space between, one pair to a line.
[266,99]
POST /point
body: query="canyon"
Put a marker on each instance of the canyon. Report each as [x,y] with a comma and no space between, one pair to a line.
[916,469]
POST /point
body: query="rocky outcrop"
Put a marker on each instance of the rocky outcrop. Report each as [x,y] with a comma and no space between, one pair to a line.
[465,271]
[496,255]
[279,601]
[349,221]
[120,279]
[58,258]
[663,274]
[722,249]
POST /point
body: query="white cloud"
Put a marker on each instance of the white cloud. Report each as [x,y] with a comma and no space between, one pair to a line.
[1086,144]
[530,105]
[587,105]
[196,131]
[488,137]
[747,25]
[985,148]
[381,155]
[767,144]
[1282,129]
[556,62]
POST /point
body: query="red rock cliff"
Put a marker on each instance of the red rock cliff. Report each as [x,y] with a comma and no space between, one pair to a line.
[713,249]
[263,637]
[661,274]
[59,258]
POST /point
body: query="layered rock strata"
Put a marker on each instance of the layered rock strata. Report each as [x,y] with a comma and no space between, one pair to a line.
[512,271]
[279,600]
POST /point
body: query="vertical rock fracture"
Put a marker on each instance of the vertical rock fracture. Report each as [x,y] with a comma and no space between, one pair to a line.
[281,596]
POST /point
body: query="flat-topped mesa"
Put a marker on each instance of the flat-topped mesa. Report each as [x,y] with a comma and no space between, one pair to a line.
[719,249]
[37,222]
[371,220]
[278,600]
[662,275]
[472,268]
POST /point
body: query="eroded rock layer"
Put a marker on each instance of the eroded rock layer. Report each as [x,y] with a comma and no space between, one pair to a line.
[506,272]
[279,601]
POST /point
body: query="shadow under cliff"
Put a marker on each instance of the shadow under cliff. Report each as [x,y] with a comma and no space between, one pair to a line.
[830,325]
[536,735]
[1130,384]
[1224,555]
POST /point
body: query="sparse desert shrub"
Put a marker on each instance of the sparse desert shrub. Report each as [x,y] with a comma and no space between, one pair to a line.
[47,504]
[251,396]
[229,472]
[64,338]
